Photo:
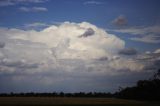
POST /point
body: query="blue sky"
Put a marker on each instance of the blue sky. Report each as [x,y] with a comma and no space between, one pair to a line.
[141,13]
[144,12]
[94,45]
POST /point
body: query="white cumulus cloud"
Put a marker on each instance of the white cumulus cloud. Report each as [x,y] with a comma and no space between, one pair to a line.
[69,55]
[65,42]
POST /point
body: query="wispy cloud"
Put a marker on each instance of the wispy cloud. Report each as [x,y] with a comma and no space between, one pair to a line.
[93,3]
[33,9]
[6,3]
[140,30]
[14,2]
[36,25]
[151,38]
[149,34]
[31,1]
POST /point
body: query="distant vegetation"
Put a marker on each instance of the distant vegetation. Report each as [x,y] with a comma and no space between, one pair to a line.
[144,90]
[56,94]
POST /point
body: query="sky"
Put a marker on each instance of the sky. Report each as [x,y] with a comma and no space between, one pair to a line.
[77,45]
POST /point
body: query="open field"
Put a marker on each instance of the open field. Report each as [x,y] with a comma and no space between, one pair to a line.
[60,101]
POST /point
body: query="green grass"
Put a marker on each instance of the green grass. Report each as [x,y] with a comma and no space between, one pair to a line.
[59,101]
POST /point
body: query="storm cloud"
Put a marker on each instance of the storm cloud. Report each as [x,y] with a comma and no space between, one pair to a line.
[128,51]
[57,57]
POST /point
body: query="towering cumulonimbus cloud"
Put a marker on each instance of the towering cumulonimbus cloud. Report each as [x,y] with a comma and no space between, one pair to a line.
[68,57]
[75,41]
[55,45]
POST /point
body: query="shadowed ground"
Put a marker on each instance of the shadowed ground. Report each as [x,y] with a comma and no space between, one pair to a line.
[60,101]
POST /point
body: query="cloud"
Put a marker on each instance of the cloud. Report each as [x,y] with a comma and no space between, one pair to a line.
[143,34]
[33,9]
[128,51]
[147,62]
[66,38]
[157,51]
[56,58]
[18,64]
[93,3]
[151,59]
[14,2]
[62,42]
[120,21]
[140,30]
[32,1]
[6,3]
[147,39]
[2,44]
[89,32]
[36,26]
[103,59]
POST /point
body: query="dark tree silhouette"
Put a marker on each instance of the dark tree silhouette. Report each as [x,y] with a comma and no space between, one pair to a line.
[157,75]
[144,90]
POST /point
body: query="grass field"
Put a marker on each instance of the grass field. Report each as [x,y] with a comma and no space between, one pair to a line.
[55,101]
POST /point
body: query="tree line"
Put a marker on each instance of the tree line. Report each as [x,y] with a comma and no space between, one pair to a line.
[57,94]
[144,89]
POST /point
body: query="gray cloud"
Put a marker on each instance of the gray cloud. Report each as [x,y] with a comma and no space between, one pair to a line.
[15,2]
[36,25]
[68,82]
[33,9]
[150,38]
[32,1]
[87,33]
[6,3]
[151,60]
[93,3]
[2,44]
[17,64]
[149,34]
[120,21]
[103,59]
[128,51]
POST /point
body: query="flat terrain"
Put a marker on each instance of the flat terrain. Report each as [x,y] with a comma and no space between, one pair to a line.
[66,101]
